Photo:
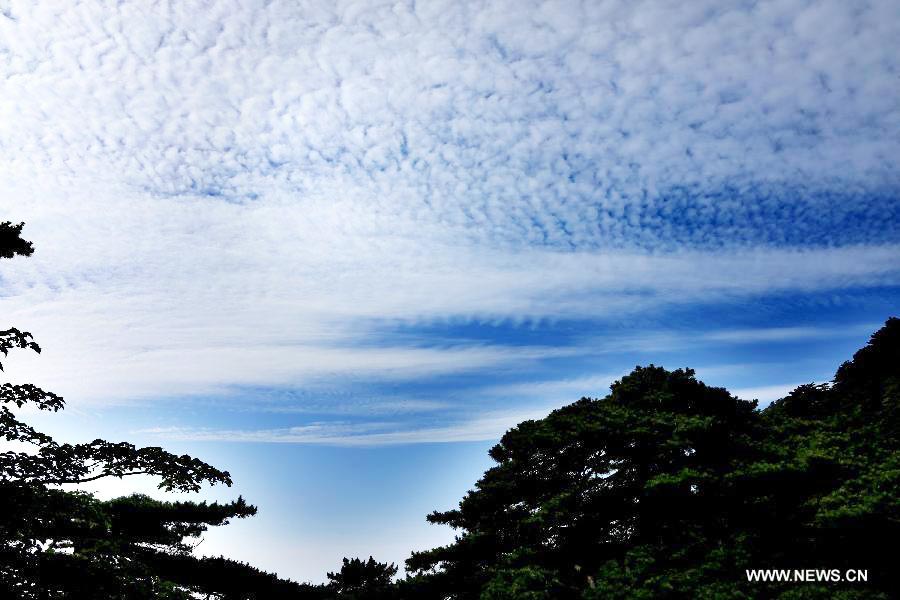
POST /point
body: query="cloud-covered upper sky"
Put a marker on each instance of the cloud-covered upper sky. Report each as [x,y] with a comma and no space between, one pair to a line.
[376,224]
[557,124]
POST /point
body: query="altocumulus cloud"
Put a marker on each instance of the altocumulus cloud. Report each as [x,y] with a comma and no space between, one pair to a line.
[245,194]
[560,123]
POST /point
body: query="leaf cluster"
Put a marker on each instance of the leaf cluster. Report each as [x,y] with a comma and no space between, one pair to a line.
[668,488]
[56,543]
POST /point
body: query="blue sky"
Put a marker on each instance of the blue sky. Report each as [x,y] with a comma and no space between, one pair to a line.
[338,248]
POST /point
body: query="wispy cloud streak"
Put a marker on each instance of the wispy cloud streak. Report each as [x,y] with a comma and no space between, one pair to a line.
[484,427]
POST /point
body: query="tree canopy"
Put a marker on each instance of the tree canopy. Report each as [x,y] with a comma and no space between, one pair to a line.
[669,488]
[363,580]
[11,241]
[68,544]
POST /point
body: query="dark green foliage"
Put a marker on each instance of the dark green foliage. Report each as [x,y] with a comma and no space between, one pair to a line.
[55,543]
[228,579]
[62,544]
[363,580]
[668,488]
[841,447]
[13,338]
[11,242]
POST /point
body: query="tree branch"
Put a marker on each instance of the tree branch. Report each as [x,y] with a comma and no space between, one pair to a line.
[96,477]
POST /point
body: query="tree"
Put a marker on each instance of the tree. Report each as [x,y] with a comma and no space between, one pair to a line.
[363,580]
[668,488]
[61,544]
[232,580]
[11,242]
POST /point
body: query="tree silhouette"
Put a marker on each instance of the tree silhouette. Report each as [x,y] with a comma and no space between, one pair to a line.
[231,580]
[11,242]
[61,544]
[363,580]
[668,488]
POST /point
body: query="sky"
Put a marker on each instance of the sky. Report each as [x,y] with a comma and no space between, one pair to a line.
[338,248]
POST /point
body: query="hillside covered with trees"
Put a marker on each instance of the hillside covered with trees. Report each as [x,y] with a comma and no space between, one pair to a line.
[668,488]
[665,488]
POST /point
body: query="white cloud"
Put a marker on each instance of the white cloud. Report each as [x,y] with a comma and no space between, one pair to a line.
[353,406]
[490,425]
[535,400]
[768,393]
[787,334]
[155,298]
[555,391]
[571,123]
[243,195]
[658,341]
